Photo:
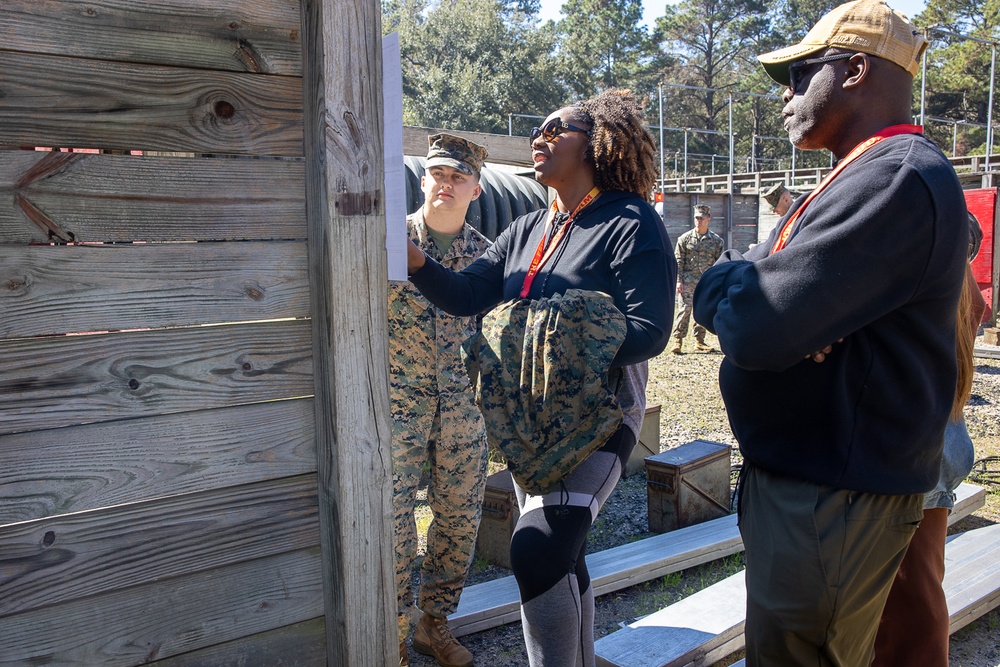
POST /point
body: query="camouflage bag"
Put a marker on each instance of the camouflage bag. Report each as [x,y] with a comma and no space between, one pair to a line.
[540,373]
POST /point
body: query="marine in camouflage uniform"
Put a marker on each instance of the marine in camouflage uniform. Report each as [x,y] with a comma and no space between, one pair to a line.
[697,250]
[435,425]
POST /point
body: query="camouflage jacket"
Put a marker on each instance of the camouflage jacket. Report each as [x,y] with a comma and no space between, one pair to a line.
[540,370]
[424,341]
[696,253]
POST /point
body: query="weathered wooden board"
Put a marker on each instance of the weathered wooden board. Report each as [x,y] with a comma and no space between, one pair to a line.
[299,645]
[345,204]
[53,196]
[745,223]
[493,603]
[67,102]
[708,625]
[80,468]
[502,149]
[110,287]
[69,380]
[56,560]
[987,351]
[972,575]
[221,34]
[679,216]
[159,619]
[681,634]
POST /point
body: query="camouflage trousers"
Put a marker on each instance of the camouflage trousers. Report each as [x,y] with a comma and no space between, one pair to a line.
[446,433]
[685,305]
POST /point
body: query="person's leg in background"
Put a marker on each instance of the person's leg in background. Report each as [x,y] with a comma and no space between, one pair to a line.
[457,481]
[411,431]
[915,623]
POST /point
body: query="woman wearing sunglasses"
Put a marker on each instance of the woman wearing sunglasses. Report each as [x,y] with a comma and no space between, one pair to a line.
[599,235]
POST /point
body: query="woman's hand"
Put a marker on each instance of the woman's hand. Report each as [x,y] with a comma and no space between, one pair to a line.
[415,257]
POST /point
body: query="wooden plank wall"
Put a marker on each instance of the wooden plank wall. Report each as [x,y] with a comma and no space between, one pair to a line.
[158,493]
[679,216]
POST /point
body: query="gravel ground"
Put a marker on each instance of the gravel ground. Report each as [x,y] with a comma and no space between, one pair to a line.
[686,387]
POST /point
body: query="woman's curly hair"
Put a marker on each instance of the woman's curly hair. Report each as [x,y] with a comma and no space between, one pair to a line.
[621,149]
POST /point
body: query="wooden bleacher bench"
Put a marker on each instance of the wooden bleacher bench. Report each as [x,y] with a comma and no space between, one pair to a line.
[972,576]
[986,351]
[494,603]
[708,626]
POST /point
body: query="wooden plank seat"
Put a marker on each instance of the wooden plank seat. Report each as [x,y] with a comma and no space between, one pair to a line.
[972,576]
[708,626]
[494,603]
[986,351]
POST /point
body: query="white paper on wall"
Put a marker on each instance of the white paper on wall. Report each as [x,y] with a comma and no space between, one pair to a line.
[395,175]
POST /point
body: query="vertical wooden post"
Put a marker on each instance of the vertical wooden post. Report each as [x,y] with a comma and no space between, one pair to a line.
[342,72]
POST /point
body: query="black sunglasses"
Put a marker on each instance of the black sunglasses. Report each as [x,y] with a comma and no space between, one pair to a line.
[797,70]
[552,129]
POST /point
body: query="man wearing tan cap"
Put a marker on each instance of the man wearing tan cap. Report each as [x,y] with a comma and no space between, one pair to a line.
[436,424]
[839,335]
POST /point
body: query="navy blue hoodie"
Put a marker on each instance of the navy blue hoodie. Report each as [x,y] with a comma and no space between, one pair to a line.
[877,259]
[617,245]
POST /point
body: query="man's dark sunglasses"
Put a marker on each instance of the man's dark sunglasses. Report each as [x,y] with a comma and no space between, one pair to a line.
[552,129]
[797,70]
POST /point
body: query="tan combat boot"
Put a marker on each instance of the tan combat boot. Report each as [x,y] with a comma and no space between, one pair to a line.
[404,658]
[433,637]
[702,346]
[676,349]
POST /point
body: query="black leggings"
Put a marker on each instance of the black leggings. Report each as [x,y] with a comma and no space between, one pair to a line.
[547,553]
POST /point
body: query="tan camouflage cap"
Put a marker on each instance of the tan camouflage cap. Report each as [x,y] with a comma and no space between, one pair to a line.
[773,194]
[868,26]
[702,211]
[447,150]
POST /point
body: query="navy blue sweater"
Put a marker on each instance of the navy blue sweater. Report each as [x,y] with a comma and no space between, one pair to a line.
[877,259]
[617,245]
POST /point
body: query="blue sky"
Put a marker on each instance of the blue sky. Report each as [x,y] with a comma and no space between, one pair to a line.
[654,8]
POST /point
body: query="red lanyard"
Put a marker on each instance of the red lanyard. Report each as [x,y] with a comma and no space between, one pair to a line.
[858,151]
[542,254]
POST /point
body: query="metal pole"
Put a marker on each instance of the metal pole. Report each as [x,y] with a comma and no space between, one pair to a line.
[729,213]
[685,159]
[923,80]
[663,184]
[989,110]
[510,125]
[732,149]
[954,139]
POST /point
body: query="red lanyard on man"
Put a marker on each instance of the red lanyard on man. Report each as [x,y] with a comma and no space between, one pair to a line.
[542,254]
[858,151]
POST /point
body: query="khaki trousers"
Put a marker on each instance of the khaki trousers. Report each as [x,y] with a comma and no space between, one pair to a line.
[820,563]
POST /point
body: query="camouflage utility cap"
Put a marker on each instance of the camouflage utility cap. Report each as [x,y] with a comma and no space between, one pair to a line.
[540,371]
[702,211]
[447,150]
[773,194]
